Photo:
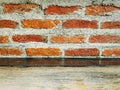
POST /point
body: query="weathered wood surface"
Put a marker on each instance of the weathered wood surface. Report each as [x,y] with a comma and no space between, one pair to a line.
[60,78]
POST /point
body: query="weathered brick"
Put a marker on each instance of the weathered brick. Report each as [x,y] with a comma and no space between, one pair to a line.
[38,23]
[82,52]
[43,62]
[10,51]
[100,10]
[16,62]
[80,24]
[18,8]
[60,10]
[115,61]
[8,24]
[104,39]
[80,62]
[4,39]
[3,62]
[28,38]
[111,52]
[68,39]
[43,52]
[110,25]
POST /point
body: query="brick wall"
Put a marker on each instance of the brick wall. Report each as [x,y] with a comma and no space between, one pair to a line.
[66,29]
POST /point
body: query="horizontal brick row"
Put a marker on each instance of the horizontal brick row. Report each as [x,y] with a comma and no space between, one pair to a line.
[57,62]
[76,39]
[49,24]
[58,52]
[59,10]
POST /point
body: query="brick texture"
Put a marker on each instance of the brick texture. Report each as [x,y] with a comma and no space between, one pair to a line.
[43,51]
[28,38]
[100,10]
[104,39]
[80,62]
[110,25]
[10,51]
[60,10]
[8,24]
[82,52]
[43,62]
[59,33]
[3,62]
[4,39]
[111,62]
[19,8]
[80,24]
[111,52]
[37,23]
[16,62]
[68,39]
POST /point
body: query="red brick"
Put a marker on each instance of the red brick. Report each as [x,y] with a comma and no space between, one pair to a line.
[110,25]
[10,51]
[111,52]
[37,23]
[3,61]
[4,39]
[111,62]
[82,52]
[10,8]
[68,39]
[80,24]
[80,62]
[104,39]
[100,10]
[43,52]
[8,24]
[28,38]
[43,62]
[16,62]
[60,10]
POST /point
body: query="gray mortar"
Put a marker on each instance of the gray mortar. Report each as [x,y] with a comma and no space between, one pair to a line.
[45,3]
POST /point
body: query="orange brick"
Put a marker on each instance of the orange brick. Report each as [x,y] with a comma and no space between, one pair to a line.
[80,24]
[111,52]
[43,52]
[100,10]
[60,10]
[110,25]
[37,23]
[8,24]
[68,39]
[10,8]
[28,38]
[104,39]
[82,52]
[10,51]
[4,39]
